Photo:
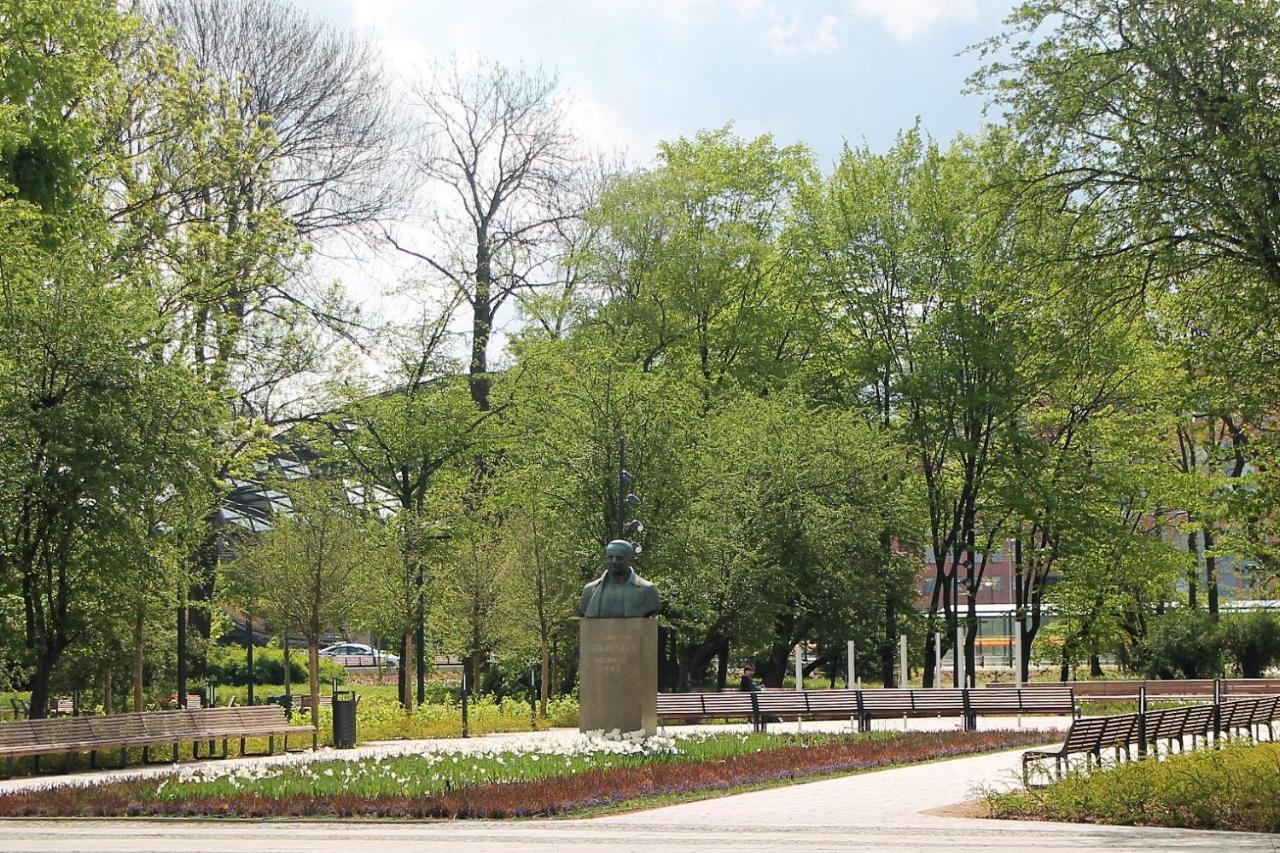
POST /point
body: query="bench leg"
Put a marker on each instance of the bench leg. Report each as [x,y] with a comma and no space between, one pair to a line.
[124,757]
[271,745]
[93,759]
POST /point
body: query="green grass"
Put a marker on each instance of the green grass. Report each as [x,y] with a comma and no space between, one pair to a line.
[1233,788]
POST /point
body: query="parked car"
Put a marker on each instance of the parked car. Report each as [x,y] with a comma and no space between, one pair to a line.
[358,654]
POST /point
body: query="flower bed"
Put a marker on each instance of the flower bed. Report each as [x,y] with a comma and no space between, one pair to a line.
[1232,788]
[583,774]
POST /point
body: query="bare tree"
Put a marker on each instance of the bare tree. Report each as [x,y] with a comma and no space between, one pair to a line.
[498,158]
[302,133]
[324,91]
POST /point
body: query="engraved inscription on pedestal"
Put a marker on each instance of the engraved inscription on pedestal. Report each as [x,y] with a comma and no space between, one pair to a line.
[619,672]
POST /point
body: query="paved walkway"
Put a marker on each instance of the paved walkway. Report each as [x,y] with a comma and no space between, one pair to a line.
[886,811]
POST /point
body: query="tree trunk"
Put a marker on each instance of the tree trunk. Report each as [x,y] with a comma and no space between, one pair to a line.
[1210,573]
[722,666]
[544,691]
[1193,573]
[420,636]
[313,657]
[248,653]
[887,642]
[182,654]
[406,671]
[139,625]
[40,688]
[285,654]
[481,326]
[1095,667]
[200,617]
[108,700]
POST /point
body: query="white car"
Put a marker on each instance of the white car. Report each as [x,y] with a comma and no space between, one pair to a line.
[358,654]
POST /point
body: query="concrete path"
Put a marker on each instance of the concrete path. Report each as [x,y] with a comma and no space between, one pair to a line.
[886,811]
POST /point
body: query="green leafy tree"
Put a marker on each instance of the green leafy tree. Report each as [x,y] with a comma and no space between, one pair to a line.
[311,564]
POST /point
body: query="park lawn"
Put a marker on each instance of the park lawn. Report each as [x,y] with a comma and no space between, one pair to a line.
[1236,787]
[536,780]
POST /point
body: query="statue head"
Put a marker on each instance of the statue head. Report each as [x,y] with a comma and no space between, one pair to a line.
[618,557]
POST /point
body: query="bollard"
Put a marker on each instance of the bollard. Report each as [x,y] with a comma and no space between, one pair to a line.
[903,670]
[1017,652]
[937,658]
[1217,710]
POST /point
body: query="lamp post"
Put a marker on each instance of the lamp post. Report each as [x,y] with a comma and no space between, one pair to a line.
[627,500]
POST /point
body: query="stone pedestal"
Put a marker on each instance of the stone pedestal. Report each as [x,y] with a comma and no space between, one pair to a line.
[618,664]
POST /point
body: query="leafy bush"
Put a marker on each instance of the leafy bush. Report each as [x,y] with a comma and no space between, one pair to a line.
[1232,788]
[1253,639]
[228,665]
[1182,644]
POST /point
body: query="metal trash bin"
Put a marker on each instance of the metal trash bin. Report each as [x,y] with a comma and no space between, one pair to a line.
[344,719]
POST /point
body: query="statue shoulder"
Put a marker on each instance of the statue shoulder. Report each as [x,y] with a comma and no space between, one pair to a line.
[641,582]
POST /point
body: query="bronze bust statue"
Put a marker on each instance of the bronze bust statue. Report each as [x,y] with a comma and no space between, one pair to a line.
[619,592]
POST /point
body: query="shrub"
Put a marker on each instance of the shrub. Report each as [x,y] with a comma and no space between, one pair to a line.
[228,665]
[1232,788]
[1182,644]
[1253,640]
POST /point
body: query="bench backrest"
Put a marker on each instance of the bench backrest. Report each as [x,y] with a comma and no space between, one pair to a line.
[117,727]
[1085,735]
[674,704]
[16,733]
[782,702]
[1120,730]
[939,699]
[833,702]
[1238,713]
[62,730]
[176,724]
[887,701]
[1251,686]
[726,704]
[257,716]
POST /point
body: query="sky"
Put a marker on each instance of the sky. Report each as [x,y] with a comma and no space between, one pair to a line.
[635,72]
[639,71]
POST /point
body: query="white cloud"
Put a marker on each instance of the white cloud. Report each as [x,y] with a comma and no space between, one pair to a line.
[907,18]
[799,36]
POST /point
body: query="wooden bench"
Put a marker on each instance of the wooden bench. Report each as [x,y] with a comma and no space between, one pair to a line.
[863,706]
[1177,724]
[699,707]
[1248,715]
[1083,738]
[68,735]
[300,702]
[1091,735]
